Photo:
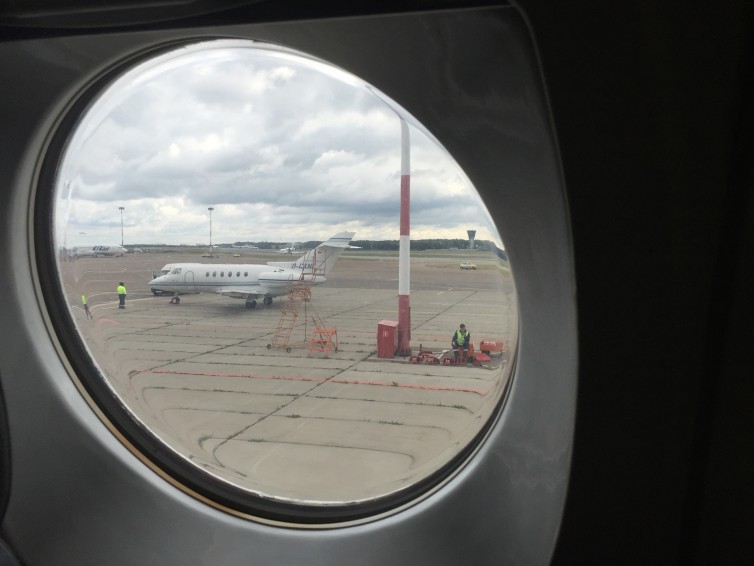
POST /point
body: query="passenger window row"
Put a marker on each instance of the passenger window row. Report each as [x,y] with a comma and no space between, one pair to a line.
[230,274]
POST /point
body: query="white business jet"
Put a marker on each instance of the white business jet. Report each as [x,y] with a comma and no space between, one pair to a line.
[97,251]
[252,281]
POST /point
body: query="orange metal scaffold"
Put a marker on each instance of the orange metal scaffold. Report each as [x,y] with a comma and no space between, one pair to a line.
[322,339]
[299,295]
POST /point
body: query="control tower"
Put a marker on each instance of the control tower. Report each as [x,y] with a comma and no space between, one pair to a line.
[472,234]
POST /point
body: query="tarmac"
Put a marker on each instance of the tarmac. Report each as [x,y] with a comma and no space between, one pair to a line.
[311,426]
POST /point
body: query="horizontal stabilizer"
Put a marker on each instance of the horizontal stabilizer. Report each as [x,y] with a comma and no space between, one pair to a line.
[321,259]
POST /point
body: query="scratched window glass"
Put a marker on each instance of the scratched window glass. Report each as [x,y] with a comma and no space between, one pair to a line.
[270,261]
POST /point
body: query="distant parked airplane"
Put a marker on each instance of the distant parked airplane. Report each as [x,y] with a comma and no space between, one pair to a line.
[96,251]
[289,250]
[252,281]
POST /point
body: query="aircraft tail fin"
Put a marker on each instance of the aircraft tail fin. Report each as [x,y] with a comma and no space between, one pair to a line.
[321,259]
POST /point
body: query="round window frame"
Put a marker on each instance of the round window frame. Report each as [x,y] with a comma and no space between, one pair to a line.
[115,414]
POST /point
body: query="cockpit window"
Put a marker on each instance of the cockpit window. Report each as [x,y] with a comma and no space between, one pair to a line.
[330,380]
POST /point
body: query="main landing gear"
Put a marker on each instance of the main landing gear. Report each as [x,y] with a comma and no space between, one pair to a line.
[175,300]
[252,304]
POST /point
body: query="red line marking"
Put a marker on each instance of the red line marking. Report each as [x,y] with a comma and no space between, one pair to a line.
[322,380]
[103,320]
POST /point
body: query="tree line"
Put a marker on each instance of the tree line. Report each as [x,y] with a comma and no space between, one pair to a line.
[390,245]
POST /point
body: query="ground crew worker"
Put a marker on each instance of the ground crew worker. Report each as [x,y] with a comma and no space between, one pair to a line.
[86,306]
[460,341]
[122,295]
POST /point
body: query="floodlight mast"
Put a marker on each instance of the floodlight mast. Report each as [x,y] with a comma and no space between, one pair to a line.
[121,208]
[210,208]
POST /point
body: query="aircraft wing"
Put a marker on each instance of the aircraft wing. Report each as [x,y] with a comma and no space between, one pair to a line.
[242,292]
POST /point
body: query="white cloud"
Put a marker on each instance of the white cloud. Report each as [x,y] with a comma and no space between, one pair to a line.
[283,148]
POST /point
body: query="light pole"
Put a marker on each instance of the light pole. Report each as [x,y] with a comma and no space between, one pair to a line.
[121,223]
[210,229]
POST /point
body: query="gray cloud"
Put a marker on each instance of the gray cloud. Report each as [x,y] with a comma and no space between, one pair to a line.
[274,144]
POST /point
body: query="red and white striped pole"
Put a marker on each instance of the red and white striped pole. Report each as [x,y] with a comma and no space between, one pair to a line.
[404,258]
[404,261]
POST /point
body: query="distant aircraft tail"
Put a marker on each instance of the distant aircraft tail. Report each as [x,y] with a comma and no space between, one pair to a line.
[321,259]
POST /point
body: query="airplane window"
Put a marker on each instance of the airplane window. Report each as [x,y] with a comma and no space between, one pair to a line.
[359,383]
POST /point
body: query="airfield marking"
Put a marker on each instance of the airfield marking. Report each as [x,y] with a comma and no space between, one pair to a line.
[324,380]
[114,303]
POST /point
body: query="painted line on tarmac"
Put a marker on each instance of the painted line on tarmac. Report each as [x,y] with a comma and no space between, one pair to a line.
[323,380]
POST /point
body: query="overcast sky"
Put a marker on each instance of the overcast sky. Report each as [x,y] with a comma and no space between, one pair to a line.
[284,148]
